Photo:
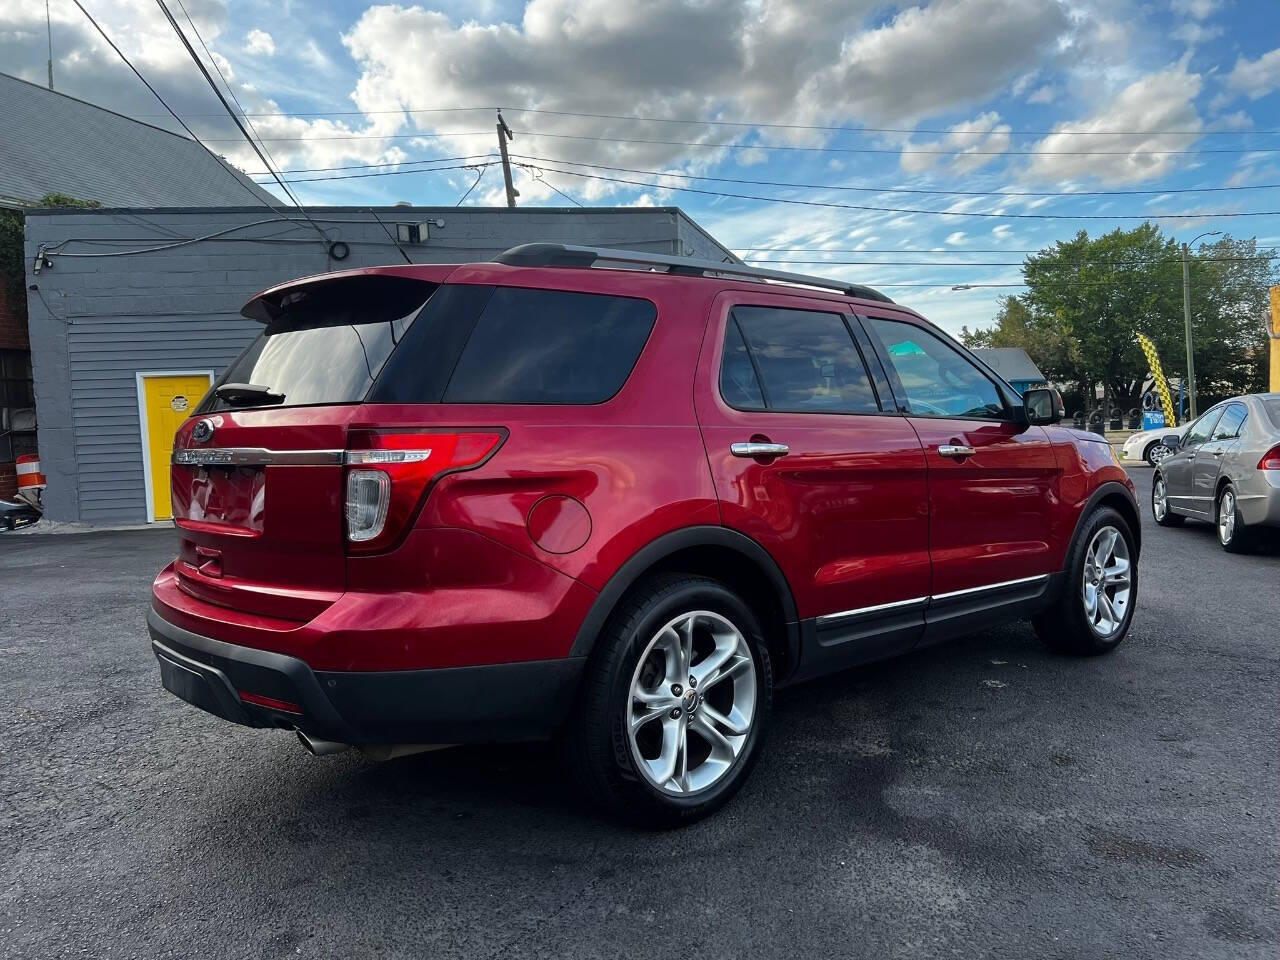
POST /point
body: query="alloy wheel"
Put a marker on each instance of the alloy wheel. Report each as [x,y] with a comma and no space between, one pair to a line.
[691,703]
[1106,582]
[1158,453]
[1226,517]
[1159,499]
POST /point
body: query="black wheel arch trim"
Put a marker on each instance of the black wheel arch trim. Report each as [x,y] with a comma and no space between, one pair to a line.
[1106,489]
[669,544]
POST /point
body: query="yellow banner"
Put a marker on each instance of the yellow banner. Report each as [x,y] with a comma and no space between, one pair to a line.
[1162,385]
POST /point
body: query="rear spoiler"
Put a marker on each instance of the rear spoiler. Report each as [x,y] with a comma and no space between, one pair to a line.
[360,284]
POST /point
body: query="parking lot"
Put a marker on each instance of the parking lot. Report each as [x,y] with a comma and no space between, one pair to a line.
[983,798]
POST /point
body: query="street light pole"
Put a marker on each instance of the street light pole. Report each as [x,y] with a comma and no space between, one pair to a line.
[1186,316]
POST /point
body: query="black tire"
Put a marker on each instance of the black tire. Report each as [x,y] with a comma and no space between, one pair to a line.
[1170,519]
[598,743]
[1065,627]
[1239,539]
[1149,453]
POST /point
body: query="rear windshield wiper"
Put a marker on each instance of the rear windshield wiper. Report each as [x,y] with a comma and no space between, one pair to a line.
[247,394]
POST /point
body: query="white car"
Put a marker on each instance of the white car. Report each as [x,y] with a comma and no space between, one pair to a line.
[1146,445]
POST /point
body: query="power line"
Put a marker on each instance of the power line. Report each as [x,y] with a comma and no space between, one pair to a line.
[258,198]
[479,173]
[1122,264]
[909,190]
[375,172]
[764,125]
[370,166]
[236,120]
[896,151]
[914,210]
[360,176]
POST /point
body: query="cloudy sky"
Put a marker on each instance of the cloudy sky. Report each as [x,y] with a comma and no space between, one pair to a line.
[941,134]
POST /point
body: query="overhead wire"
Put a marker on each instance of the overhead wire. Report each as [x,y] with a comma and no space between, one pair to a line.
[258,198]
[236,120]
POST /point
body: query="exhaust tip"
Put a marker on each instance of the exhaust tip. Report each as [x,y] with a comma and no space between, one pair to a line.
[320,748]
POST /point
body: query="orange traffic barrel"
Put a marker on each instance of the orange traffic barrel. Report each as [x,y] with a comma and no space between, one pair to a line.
[29,475]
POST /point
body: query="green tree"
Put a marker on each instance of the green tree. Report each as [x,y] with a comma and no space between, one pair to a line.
[1087,297]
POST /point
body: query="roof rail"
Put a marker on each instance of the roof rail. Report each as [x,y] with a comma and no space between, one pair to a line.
[567,255]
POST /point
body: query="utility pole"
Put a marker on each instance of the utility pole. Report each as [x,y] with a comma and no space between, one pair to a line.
[505,134]
[48,24]
[1186,316]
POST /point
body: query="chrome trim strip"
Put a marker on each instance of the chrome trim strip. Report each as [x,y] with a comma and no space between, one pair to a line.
[921,601]
[989,586]
[861,611]
[254,457]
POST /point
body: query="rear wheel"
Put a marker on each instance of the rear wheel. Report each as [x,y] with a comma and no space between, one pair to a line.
[1093,613]
[675,703]
[1232,533]
[1160,509]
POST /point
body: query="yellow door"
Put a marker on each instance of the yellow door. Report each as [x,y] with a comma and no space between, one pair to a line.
[167,400]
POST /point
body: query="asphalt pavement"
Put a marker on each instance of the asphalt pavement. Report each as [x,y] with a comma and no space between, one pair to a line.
[984,798]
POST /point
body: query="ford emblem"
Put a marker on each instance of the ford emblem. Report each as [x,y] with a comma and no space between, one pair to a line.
[203,431]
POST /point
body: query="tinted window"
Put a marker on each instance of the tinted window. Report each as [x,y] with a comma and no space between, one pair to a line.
[939,381]
[1272,406]
[327,342]
[807,361]
[549,346]
[1232,420]
[738,382]
[1202,428]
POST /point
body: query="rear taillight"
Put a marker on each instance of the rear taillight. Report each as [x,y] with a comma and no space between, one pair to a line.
[389,472]
[1271,459]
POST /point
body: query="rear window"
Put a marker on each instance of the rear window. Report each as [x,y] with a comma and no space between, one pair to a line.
[327,342]
[514,345]
[1272,406]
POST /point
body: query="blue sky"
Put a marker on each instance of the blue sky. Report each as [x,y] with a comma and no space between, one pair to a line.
[1007,97]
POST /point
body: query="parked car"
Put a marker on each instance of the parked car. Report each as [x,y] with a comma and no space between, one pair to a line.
[1225,469]
[1149,445]
[614,498]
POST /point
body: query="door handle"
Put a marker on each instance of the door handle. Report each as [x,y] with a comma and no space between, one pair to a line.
[754,449]
[956,451]
[1217,453]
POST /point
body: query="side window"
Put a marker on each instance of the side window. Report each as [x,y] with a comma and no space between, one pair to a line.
[798,361]
[1202,429]
[550,346]
[939,381]
[1228,427]
[739,384]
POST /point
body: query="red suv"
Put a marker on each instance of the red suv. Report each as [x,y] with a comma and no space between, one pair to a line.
[613,498]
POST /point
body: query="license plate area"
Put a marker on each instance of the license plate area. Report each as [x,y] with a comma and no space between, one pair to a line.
[234,497]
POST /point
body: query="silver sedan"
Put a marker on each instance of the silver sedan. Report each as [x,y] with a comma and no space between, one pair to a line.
[1225,469]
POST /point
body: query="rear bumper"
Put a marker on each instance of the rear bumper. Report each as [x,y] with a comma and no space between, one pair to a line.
[497,702]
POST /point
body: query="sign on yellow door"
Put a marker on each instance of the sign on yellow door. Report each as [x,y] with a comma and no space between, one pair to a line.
[165,400]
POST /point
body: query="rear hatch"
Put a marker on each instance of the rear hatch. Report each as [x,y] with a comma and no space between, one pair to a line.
[257,477]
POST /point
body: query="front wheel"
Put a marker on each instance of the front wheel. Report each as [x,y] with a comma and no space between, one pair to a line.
[1095,609]
[675,703]
[1155,452]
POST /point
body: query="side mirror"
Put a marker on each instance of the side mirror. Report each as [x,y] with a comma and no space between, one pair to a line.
[1043,405]
[1171,440]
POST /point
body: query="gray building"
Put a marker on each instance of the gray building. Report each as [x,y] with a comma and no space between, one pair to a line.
[134,311]
[1014,365]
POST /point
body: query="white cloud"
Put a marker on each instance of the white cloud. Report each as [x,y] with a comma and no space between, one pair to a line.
[1199,9]
[1194,34]
[1256,78]
[956,238]
[259,42]
[1045,94]
[1149,107]
[975,143]
[780,61]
